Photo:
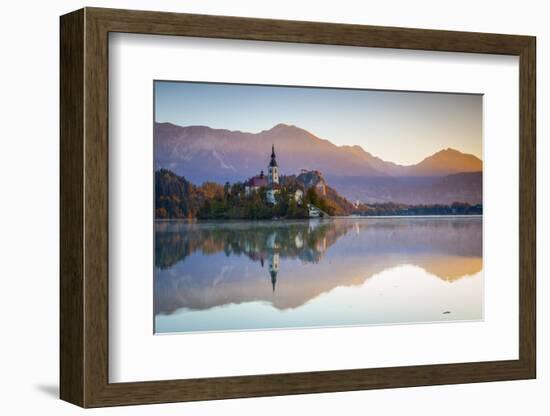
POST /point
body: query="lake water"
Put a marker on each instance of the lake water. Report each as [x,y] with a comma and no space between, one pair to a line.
[222,276]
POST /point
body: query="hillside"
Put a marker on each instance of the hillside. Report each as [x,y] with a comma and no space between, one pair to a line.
[200,154]
[462,187]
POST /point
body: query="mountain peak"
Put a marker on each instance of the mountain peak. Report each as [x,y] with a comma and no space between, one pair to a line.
[290,131]
[281,126]
[449,161]
[201,153]
[449,151]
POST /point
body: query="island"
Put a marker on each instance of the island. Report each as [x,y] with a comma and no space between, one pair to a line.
[276,196]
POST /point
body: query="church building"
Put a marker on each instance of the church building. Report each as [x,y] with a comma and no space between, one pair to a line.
[270,182]
[255,183]
[273,186]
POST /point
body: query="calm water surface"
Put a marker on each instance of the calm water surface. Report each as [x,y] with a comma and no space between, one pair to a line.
[220,276]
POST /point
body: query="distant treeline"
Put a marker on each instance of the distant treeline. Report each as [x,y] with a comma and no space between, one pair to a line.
[175,197]
[390,208]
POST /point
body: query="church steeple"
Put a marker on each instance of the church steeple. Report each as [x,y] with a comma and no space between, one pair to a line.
[273,269]
[273,275]
[273,168]
[273,159]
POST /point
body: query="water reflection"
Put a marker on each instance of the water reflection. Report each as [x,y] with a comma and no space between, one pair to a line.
[279,268]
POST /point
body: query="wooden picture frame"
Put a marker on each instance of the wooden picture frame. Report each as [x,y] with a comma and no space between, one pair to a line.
[84,207]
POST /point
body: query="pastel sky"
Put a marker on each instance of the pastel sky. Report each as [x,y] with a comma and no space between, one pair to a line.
[402,127]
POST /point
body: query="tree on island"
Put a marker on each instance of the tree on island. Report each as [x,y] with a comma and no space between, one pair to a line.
[177,198]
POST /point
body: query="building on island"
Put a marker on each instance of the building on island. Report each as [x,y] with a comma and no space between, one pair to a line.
[273,169]
[273,187]
[272,190]
[255,183]
[313,211]
[313,179]
[298,196]
[270,182]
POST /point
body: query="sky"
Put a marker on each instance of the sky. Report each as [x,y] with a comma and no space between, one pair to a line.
[401,127]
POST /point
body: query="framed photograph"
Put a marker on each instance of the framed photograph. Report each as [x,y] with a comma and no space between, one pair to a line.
[254,207]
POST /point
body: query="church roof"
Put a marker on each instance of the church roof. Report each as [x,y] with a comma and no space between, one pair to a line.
[273,162]
[257,181]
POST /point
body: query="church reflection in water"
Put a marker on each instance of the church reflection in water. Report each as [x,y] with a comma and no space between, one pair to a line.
[286,264]
[273,268]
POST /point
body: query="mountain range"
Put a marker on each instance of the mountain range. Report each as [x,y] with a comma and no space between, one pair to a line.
[201,153]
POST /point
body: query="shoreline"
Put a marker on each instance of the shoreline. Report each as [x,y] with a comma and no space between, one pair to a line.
[342,217]
[411,216]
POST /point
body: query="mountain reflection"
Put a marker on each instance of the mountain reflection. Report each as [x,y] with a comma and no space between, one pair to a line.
[199,266]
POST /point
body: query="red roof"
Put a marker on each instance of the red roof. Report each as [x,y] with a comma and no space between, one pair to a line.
[257,181]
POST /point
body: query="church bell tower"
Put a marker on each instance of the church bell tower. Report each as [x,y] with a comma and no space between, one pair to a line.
[273,169]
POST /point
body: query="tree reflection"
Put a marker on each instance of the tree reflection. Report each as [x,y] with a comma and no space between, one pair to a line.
[307,241]
[202,265]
